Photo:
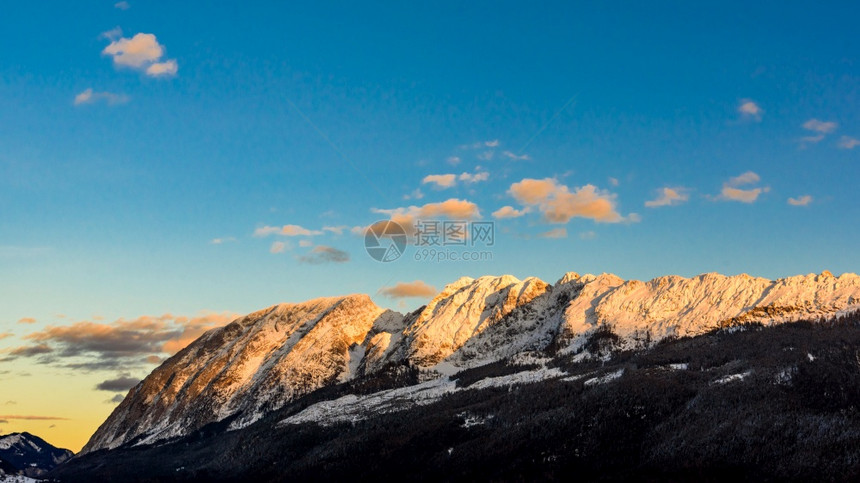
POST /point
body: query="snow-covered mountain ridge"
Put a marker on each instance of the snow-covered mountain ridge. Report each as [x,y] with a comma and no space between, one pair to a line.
[258,363]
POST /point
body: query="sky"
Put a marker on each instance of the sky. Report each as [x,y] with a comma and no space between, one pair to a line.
[166,166]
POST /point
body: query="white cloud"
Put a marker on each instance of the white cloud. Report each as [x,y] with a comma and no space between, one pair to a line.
[554,233]
[474,177]
[123,5]
[669,197]
[168,67]
[486,155]
[515,157]
[337,230]
[89,96]
[613,181]
[440,180]
[800,200]
[454,160]
[221,241]
[823,127]
[278,247]
[748,109]
[492,144]
[141,52]
[416,194]
[286,230]
[846,142]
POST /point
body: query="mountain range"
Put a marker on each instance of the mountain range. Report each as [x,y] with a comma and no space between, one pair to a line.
[234,376]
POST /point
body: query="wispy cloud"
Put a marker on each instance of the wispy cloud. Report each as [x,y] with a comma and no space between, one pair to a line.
[125,343]
[400,290]
[123,5]
[515,157]
[822,128]
[6,335]
[141,52]
[847,142]
[454,160]
[324,254]
[558,204]
[278,247]
[475,177]
[221,241]
[89,96]
[337,230]
[554,233]
[669,197]
[286,230]
[732,192]
[27,320]
[750,110]
[800,200]
[27,417]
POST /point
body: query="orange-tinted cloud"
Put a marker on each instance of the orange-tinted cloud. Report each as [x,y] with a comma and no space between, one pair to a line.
[400,290]
[732,192]
[559,204]
[668,197]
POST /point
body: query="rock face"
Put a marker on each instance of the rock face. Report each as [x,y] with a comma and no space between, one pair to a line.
[29,455]
[253,365]
[260,362]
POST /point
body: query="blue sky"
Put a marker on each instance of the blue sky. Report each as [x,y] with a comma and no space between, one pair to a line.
[120,167]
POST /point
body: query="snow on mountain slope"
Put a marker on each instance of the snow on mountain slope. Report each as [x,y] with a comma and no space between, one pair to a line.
[31,454]
[462,311]
[253,365]
[262,361]
[673,305]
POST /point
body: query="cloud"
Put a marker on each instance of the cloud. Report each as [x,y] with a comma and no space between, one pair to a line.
[846,142]
[452,208]
[166,68]
[417,194]
[88,96]
[588,235]
[30,351]
[5,335]
[118,398]
[325,254]
[613,181]
[121,383]
[509,212]
[337,230]
[305,243]
[278,247]
[286,230]
[732,192]
[486,155]
[474,177]
[123,5]
[558,204]
[669,197]
[10,417]
[111,34]
[554,233]
[400,290]
[454,160]
[141,52]
[515,157]
[440,180]
[221,241]
[800,200]
[27,320]
[92,345]
[823,127]
[748,109]
[492,144]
